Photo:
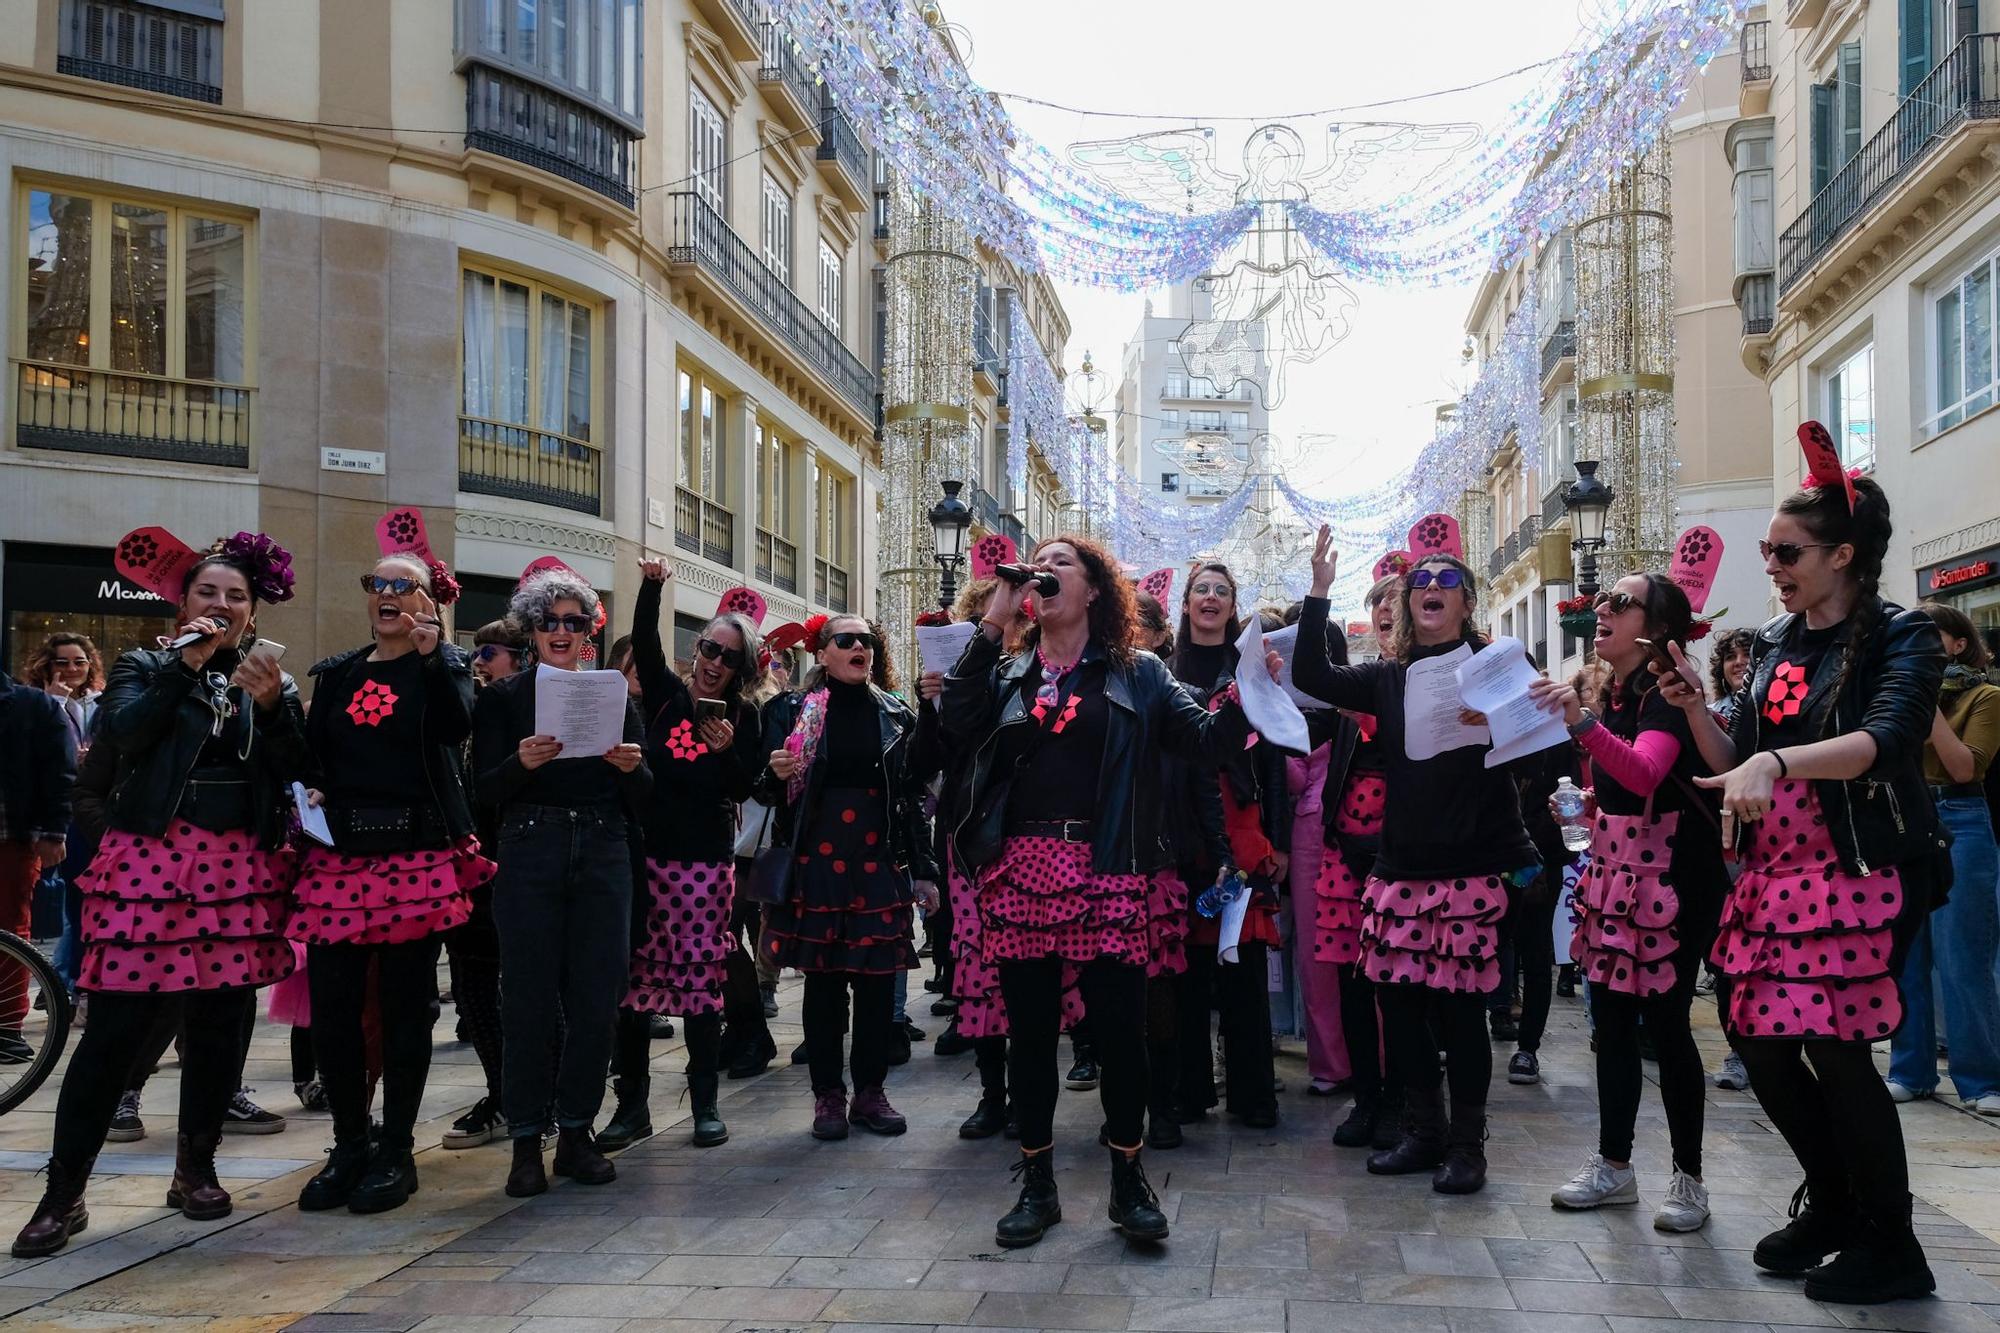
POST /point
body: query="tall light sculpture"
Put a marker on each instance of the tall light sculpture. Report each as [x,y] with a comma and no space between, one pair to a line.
[1625,359]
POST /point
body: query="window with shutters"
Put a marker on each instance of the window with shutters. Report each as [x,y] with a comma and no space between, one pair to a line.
[708,151]
[1753,196]
[833,537]
[173,47]
[777,230]
[832,298]
[1963,373]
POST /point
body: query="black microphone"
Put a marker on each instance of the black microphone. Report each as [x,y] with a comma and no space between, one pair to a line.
[195,636]
[1040,580]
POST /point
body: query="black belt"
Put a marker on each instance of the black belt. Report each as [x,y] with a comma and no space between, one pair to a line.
[218,805]
[380,829]
[1064,830]
[1957,791]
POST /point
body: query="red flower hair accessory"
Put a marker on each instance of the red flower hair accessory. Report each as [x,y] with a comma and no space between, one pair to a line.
[805,635]
[932,619]
[444,588]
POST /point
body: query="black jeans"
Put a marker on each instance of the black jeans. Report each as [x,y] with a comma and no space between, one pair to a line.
[825,1017]
[563,905]
[631,1058]
[1835,1112]
[1361,1028]
[1620,1079]
[406,986]
[1194,1000]
[1114,994]
[1418,1022]
[1535,954]
[1243,993]
[122,1027]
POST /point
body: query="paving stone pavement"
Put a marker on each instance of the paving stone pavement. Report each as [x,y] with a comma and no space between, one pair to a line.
[1273,1230]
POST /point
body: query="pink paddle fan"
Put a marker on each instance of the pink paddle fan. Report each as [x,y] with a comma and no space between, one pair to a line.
[1436,534]
[743,602]
[1160,583]
[401,532]
[1823,460]
[156,560]
[1396,563]
[1697,560]
[991,551]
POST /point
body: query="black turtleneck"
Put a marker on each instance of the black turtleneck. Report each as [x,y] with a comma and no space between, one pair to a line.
[852,741]
[1446,816]
[1200,665]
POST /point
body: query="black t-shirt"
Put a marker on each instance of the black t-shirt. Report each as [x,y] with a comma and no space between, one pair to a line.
[1059,778]
[1200,665]
[1784,705]
[375,740]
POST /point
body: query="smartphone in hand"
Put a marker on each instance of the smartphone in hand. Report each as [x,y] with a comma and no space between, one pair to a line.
[710,710]
[269,649]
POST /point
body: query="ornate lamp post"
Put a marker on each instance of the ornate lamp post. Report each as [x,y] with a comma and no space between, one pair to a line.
[1588,502]
[951,519]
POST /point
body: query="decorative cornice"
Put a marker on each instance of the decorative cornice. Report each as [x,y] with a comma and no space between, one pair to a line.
[699,574]
[534,533]
[1956,543]
[781,148]
[705,49]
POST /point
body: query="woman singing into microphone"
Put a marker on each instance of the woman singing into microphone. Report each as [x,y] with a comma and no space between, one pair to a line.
[184,904]
[1060,833]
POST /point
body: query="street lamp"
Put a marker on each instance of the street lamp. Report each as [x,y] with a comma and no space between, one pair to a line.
[950,521]
[1588,502]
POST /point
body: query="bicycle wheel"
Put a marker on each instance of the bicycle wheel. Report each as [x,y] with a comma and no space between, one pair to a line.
[27,1057]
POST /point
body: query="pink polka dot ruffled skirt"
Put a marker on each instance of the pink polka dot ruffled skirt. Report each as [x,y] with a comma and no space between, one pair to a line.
[678,967]
[1041,899]
[1805,945]
[1440,933]
[1627,913]
[191,910]
[387,898]
[1337,893]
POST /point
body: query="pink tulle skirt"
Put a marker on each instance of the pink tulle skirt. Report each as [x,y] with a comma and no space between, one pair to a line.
[1337,891]
[193,910]
[1440,933]
[1627,914]
[1806,945]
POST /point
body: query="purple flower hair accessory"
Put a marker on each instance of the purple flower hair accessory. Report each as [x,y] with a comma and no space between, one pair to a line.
[267,564]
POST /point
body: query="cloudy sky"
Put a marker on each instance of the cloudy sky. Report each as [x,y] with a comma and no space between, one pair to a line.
[1186,64]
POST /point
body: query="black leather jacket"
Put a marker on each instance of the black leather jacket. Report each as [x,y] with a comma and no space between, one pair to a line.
[155,710]
[1885,817]
[1151,716]
[909,829]
[445,725]
[1196,827]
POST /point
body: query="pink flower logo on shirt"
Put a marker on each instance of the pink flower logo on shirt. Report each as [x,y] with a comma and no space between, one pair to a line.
[681,742]
[371,703]
[1787,693]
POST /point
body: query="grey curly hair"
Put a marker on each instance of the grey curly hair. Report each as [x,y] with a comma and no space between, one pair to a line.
[533,599]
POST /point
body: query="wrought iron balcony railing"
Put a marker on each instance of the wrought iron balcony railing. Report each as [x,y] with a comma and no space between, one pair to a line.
[783,67]
[131,416]
[502,458]
[838,143]
[1496,562]
[1559,344]
[139,46]
[703,527]
[1552,503]
[1756,300]
[777,561]
[531,124]
[1755,47]
[701,237]
[1964,87]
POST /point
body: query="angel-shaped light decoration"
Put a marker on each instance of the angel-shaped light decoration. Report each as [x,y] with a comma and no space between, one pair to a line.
[1280,303]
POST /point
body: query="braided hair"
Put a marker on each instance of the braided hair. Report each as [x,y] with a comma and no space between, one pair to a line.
[1823,511]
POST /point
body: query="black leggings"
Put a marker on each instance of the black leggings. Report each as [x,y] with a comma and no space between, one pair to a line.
[1535,955]
[1835,1112]
[825,1018]
[1362,1030]
[1620,1079]
[122,1026]
[303,1067]
[406,986]
[1114,994]
[990,1053]
[631,1054]
[1417,1022]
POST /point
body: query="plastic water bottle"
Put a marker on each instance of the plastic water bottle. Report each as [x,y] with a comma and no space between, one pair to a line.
[1218,896]
[1569,803]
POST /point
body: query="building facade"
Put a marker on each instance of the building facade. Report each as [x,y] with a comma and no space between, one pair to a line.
[1180,435]
[1868,206]
[587,278]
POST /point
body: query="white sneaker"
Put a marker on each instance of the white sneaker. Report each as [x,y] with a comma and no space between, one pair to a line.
[1597,1184]
[1899,1094]
[1988,1105]
[1686,1206]
[1733,1075]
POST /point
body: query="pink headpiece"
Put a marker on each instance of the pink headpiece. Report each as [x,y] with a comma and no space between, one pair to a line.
[1396,563]
[992,550]
[1823,460]
[401,532]
[1697,560]
[1436,534]
[743,602]
[159,562]
[542,565]
[1160,583]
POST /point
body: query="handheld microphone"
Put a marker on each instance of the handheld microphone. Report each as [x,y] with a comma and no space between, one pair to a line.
[196,636]
[1040,580]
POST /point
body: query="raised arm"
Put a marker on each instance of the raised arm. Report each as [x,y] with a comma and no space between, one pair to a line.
[659,684]
[1319,663]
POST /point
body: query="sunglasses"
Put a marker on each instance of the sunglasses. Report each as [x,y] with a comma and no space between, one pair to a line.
[1620,602]
[715,652]
[486,652]
[1444,578]
[849,638]
[574,624]
[376,584]
[1788,553]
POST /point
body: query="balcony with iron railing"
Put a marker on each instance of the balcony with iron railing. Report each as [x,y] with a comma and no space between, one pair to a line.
[842,159]
[1754,46]
[777,561]
[986,511]
[515,118]
[1497,561]
[1756,297]
[704,242]
[1558,347]
[881,214]
[140,46]
[1553,511]
[830,587]
[704,528]
[127,415]
[783,73]
[521,463]
[1921,145]
[985,355]
[739,23]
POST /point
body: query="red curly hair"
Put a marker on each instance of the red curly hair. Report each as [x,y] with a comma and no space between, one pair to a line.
[1114,616]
